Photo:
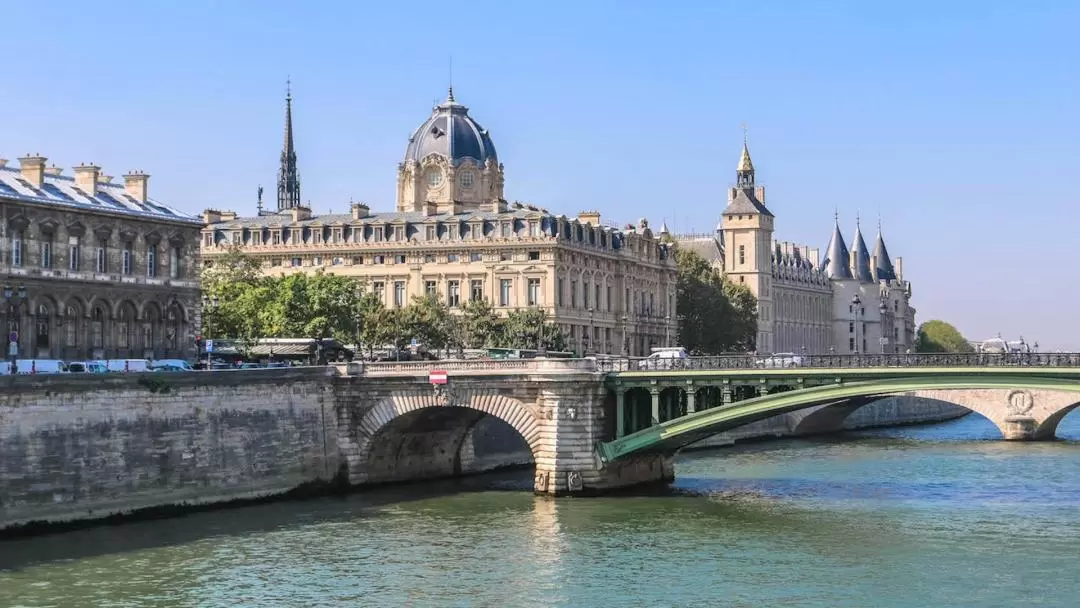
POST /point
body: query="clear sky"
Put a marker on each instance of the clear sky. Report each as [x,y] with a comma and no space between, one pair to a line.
[955,122]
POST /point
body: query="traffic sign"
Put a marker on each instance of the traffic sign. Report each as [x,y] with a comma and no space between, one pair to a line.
[437,376]
[209,346]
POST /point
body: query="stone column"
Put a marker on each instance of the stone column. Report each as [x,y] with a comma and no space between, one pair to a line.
[655,393]
[691,396]
[725,394]
[620,412]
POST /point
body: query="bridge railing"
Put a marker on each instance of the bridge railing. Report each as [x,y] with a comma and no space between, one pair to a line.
[477,365]
[748,361]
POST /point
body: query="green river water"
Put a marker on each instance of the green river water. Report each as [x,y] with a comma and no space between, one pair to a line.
[934,516]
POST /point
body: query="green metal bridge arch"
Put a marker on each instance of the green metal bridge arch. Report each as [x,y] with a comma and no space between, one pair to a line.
[1059,388]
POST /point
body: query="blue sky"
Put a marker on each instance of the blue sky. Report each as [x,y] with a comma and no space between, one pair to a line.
[955,122]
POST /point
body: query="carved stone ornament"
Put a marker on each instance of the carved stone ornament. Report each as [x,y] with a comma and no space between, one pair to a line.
[1020,402]
[573,481]
[541,484]
[444,395]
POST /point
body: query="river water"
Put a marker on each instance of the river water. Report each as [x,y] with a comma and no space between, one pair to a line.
[938,516]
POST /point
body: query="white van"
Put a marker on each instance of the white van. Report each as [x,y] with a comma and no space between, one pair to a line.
[87,367]
[665,358]
[26,367]
[127,365]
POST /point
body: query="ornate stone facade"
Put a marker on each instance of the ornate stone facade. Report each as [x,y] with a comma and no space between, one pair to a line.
[93,269]
[807,304]
[611,290]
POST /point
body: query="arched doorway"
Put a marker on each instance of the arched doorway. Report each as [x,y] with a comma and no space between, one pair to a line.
[43,320]
[71,327]
[151,330]
[126,334]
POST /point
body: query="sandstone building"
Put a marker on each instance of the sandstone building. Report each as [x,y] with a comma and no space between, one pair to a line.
[850,301]
[94,269]
[453,234]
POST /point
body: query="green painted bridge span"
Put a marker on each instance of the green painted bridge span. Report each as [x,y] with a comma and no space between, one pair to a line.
[1040,396]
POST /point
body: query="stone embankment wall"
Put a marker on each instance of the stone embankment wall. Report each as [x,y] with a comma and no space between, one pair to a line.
[891,411]
[86,447]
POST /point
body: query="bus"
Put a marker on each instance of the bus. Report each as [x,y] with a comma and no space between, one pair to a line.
[525,353]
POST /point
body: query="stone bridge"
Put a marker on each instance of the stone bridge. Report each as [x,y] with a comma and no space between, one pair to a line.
[86,446]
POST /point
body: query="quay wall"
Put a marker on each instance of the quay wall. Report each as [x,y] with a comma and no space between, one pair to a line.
[890,411]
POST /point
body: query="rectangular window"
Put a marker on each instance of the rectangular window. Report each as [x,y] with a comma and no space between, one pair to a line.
[358,260]
[596,299]
[742,254]
[379,259]
[559,292]
[534,228]
[475,257]
[453,294]
[504,256]
[399,259]
[533,293]
[399,294]
[399,233]
[429,233]
[430,288]
[451,257]
[505,286]
[296,262]
[850,327]
[851,344]
[125,262]
[317,261]
[573,294]
[585,294]
[609,298]
[275,237]
[377,234]
[46,254]
[429,258]
[151,261]
[337,261]
[74,253]
[17,249]
[175,258]
[476,290]
[236,238]
[102,257]
[534,255]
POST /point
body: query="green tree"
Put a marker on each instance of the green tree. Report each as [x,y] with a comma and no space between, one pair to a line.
[940,337]
[234,283]
[427,319]
[319,305]
[478,326]
[377,325]
[529,328]
[715,316]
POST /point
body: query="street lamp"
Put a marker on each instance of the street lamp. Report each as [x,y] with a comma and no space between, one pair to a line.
[210,305]
[14,299]
[856,302]
[667,330]
[625,340]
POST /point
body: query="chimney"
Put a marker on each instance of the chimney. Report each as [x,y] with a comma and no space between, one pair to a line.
[359,210]
[899,269]
[211,216]
[135,185]
[86,178]
[498,206]
[3,163]
[104,179]
[54,170]
[33,169]
[589,217]
[300,213]
[228,216]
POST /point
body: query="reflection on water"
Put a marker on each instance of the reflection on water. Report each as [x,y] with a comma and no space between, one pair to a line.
[926,516]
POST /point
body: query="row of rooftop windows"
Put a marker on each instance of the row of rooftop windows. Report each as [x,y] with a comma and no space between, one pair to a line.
[105,259]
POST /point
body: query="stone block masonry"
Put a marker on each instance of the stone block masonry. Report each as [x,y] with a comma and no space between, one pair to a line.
[86,447]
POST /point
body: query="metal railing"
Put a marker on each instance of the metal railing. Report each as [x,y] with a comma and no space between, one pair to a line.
[736,362]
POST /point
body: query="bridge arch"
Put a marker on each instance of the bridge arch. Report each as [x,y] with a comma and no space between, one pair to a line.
[422,434]
[1022,407]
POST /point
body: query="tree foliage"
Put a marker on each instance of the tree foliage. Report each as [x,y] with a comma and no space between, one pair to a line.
[715,315]
[940,337]
[529,328]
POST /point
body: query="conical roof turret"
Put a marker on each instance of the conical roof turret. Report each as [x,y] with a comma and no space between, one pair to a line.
[860,257]
[745,164]
[835,262]
[883,266]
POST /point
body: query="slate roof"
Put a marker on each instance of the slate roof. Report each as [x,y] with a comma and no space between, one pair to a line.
[284,219]
[452,133]
[884,270]
[746,202]
[61,191]
[708,248]
[835,262]
[860,258]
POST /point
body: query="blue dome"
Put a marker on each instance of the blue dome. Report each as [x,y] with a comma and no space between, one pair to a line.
[453,134]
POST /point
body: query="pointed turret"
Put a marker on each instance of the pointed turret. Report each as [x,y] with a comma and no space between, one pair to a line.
[883,266]
[744,173]
[835,262]
[860,257]
[664,228]
[288,176]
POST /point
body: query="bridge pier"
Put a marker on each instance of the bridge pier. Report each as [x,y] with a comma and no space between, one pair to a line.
[1019,428]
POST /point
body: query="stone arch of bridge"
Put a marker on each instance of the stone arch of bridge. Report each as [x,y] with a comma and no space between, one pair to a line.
[424,434]
[1021,407]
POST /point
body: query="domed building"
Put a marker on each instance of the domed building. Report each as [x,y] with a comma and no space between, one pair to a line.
[450,163]
[452,234]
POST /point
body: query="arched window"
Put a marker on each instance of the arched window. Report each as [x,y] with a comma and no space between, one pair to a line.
[97,328]
[71,326]
[43,321]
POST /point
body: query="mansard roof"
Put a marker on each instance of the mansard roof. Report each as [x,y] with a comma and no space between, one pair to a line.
[284,219]
[60,191]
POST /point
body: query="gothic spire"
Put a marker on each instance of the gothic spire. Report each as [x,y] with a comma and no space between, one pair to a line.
[288,176]
[860,257]
[883,266]
[837,257]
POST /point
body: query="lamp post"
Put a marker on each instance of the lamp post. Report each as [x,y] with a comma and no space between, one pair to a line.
[625,341]
[210,304]
[13,298]
[856,302]
[883,309]
[667,330]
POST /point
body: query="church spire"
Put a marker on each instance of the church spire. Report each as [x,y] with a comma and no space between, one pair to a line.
[288,177]
[744,174]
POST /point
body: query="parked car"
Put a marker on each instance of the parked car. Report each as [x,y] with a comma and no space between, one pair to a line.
[665,358]
[171,365]
[34,366]
[127,365]
[249,365]
[782,360]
